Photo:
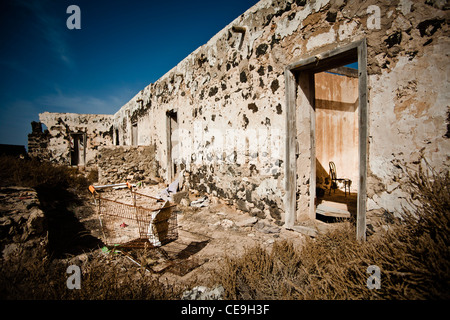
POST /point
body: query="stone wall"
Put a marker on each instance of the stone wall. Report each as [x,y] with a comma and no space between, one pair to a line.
[38,142]
[229,101]
[118,164]
[229,97]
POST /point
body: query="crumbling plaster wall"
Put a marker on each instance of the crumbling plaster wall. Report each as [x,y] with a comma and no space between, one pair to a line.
[409,123]
[229,96]
[98,130]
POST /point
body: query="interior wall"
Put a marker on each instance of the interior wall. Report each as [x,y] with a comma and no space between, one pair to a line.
[336,134]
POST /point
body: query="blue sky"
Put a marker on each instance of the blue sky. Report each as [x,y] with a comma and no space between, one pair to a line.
[122,47]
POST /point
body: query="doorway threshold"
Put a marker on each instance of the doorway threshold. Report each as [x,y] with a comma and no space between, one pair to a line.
[315,227]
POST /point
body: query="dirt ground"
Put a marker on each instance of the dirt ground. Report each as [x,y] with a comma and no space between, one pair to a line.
[206,235]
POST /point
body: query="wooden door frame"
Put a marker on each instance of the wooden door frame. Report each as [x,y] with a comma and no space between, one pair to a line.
[306,68]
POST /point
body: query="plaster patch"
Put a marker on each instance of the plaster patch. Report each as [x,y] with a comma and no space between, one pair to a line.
[346,30]
[321,39]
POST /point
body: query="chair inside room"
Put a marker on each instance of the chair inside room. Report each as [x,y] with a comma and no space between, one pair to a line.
[335,180]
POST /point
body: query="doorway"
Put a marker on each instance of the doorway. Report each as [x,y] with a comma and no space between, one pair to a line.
[307,115]
[172,144]
[134,134]
[336,140]
[77,149]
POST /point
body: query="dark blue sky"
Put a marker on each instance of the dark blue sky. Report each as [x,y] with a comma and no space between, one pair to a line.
[122,47]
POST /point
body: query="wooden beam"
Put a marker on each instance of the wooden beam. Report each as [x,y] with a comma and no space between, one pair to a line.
[290,165]
[330,59]
[312,179]
[362,189]
[345,71]
[169,165]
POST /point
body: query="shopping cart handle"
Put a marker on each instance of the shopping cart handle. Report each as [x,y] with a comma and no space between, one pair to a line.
[92,189]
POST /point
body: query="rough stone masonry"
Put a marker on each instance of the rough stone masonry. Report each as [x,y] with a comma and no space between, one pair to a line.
[238,114]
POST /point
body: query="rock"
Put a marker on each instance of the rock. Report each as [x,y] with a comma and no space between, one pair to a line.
[265,228]
[185,202]
[202,202]
[204,293]
[23,226]
[247,222]
[241,205]
[225,223]
[304,230]
[36,222]
[257,213]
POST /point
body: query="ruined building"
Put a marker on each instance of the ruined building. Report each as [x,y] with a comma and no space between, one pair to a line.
[257,115]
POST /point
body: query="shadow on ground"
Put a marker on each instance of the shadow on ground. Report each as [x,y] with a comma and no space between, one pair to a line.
[66,234]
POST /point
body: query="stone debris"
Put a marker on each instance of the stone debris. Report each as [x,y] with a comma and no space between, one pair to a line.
[127,163]
[23,226]
[225,223]
[247,222]
[309,231]
[202,202]
[204,293]
[266,228]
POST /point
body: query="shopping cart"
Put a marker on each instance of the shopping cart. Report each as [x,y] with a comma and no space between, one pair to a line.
[130,225]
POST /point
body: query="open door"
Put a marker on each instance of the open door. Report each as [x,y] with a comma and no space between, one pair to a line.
[317,121]
[336,135]
[77,149]
[172,144]
[134,134]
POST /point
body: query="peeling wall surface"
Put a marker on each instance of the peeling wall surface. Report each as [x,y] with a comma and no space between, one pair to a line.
[229,97]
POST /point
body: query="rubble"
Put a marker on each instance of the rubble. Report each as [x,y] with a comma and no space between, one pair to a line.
[23,226]
[199,203]
[247,222]
[204,293]
[267,228]
[127,163]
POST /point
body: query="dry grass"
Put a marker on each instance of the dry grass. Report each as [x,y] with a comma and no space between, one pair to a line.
[413,257]
[45,175]
[103,277]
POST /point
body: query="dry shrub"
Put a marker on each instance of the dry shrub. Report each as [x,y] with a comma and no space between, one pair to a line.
[103,277]
[40,175]
[258,274]
[413,257]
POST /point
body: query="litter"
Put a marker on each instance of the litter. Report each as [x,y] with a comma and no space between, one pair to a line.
[174,187]
[133,226]
[113,250]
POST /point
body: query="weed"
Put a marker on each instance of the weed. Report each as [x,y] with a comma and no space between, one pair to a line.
[413,256]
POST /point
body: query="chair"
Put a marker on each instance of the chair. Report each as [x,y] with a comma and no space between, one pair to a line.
[334,179]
